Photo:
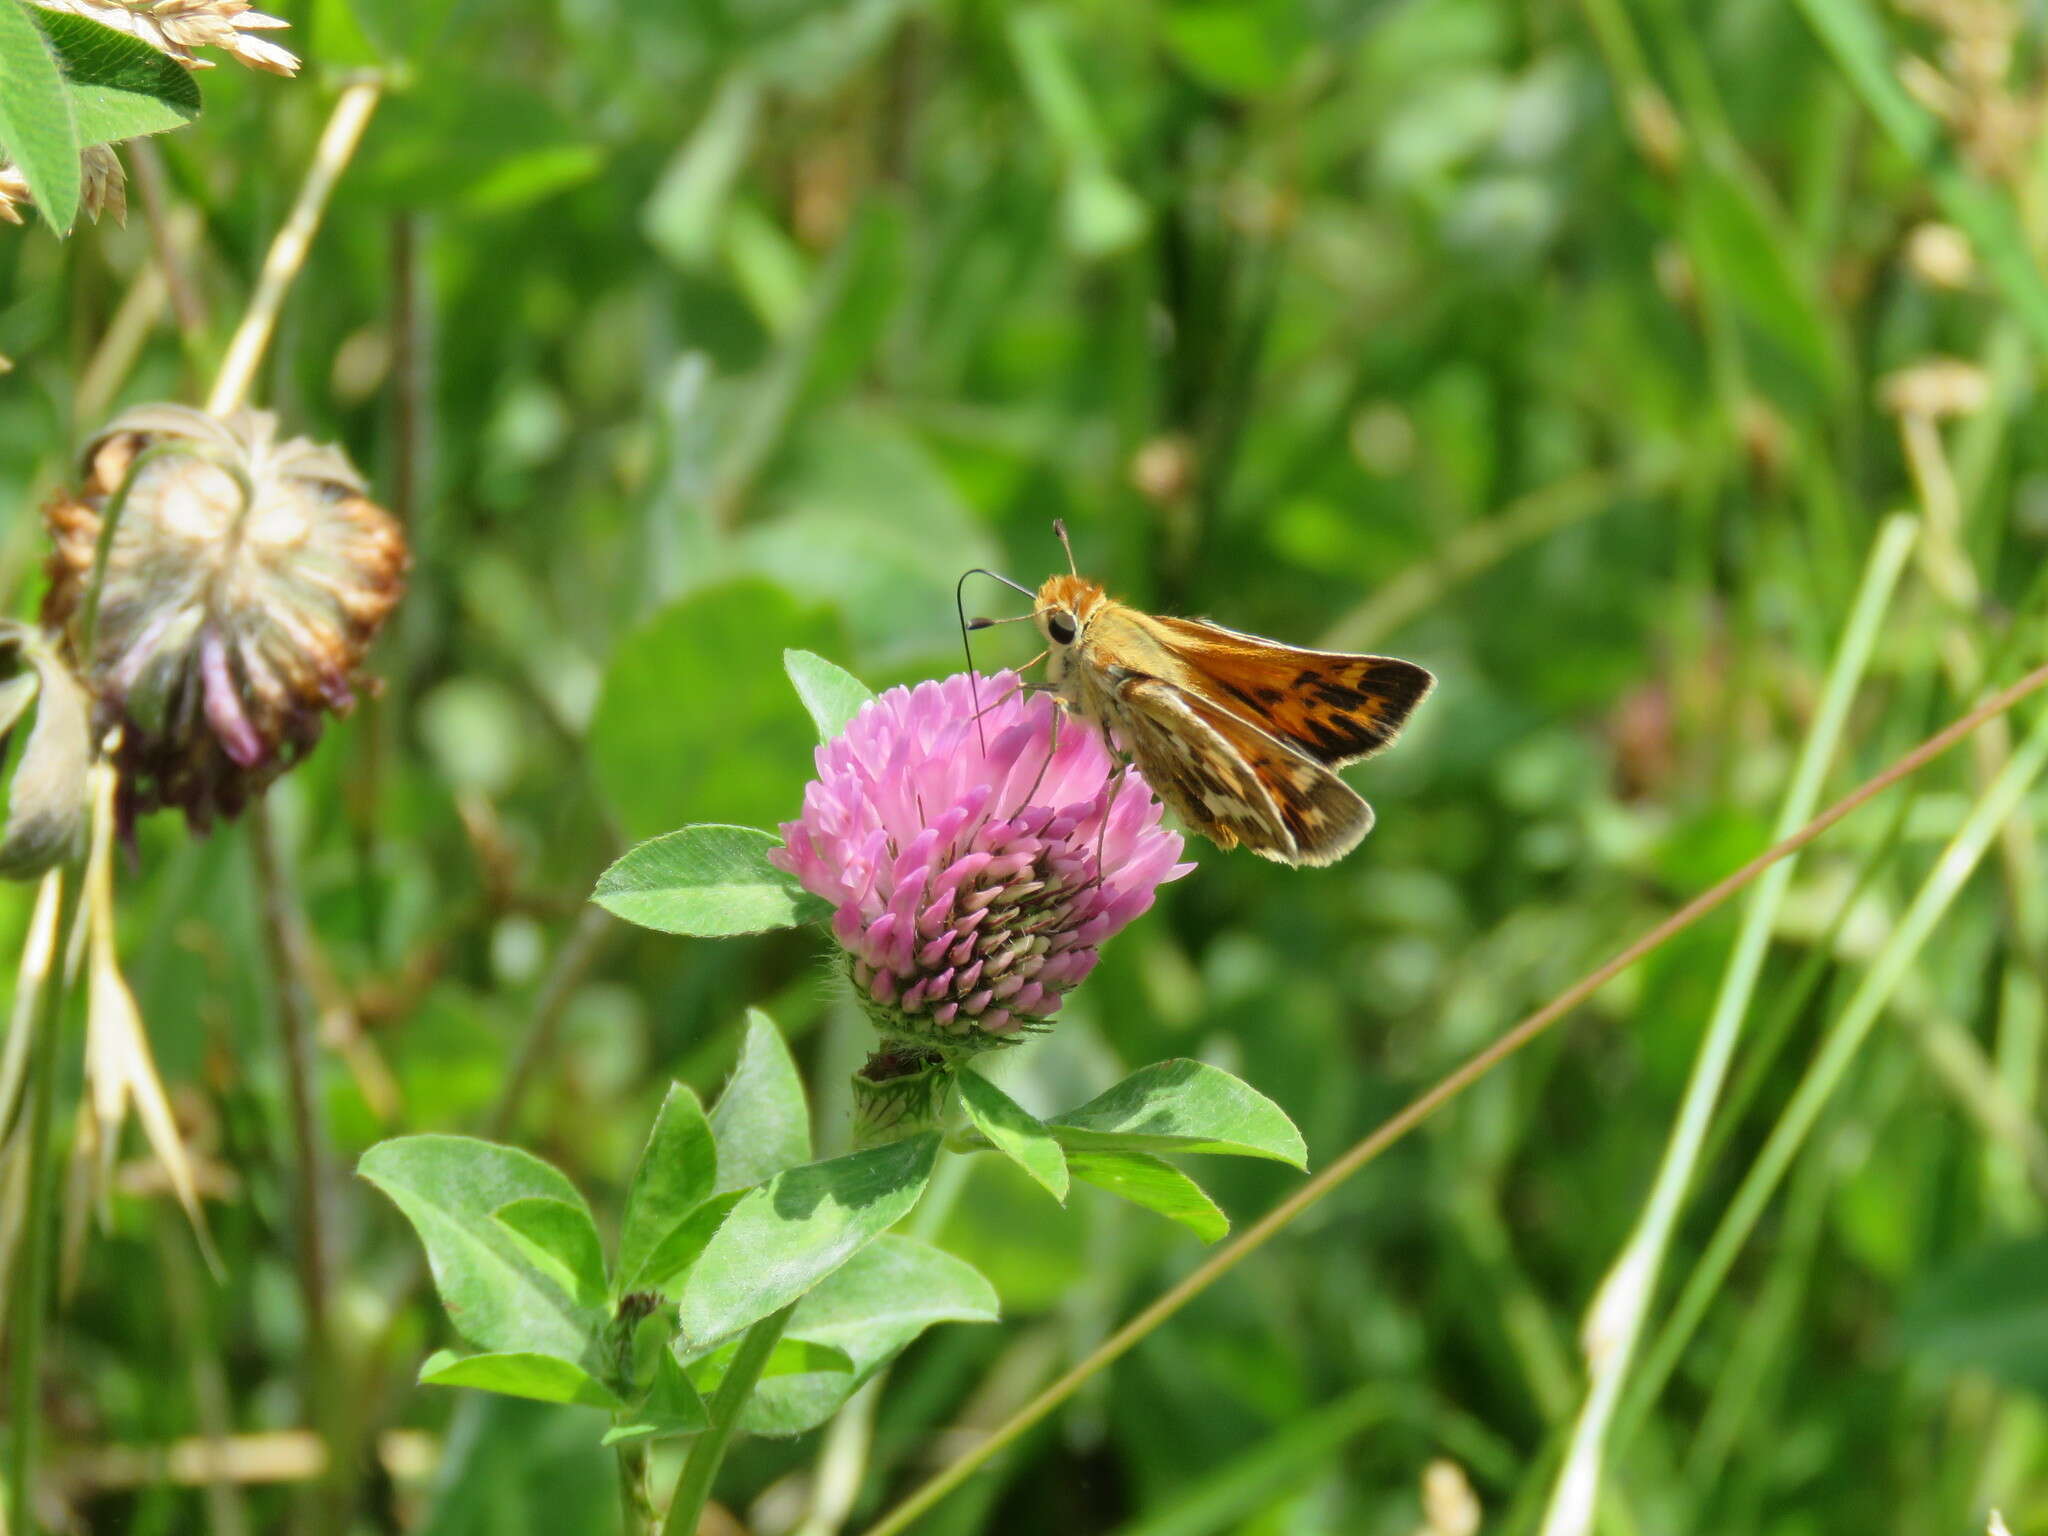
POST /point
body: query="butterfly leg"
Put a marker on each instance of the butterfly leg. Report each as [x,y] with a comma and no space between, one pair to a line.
[1116,785]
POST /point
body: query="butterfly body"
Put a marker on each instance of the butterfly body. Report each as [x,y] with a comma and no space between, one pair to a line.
[1241,736]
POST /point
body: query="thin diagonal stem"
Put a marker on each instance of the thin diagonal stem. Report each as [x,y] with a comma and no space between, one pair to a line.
[1421,1108]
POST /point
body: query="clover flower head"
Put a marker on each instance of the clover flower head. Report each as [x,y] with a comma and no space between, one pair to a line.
[974,867]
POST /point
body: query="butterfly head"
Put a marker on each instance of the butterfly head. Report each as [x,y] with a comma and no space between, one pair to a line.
[1062,610]
[1063,607]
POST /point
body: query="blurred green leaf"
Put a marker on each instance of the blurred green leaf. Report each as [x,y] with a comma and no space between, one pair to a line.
[559,1239]
[1243,47]
[762,1121]
[120,87]
[1986,1311]
[869,1309]
[790,1233]
[832,694]
[406,29]
[36,127]
[543,1378]
[486,149]
[677,1172]
[708,882]
[335,36]
[1012,1131]
[1101,216]
[1158,1186]
[498,1299]
[682,217]
[695,721]
[860,514]
[1183,1106]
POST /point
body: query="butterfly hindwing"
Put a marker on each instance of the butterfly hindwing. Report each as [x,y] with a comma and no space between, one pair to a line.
[1233,782]
[1335,707]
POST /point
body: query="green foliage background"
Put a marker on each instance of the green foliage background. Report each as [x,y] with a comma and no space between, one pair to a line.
[1539,343]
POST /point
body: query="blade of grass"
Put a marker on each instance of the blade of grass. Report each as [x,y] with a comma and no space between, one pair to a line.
[1843,1038]
[1259,1233]
[1614,1320]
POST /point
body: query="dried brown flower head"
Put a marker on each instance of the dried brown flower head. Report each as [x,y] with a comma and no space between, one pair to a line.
[176,27]
[244,580]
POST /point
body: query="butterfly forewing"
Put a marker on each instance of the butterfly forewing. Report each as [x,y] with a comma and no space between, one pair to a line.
[1335,707]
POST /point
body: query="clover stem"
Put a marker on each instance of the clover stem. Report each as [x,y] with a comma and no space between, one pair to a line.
[635,1513]
[43,977]
[693,1488]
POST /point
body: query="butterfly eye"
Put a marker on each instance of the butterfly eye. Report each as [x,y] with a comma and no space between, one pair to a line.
[1060,627]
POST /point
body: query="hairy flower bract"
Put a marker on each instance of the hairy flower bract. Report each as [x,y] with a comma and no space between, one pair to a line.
[974,867]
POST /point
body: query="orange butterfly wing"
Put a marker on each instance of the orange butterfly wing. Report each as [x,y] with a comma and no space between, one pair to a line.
[1335,707]
[1234,783]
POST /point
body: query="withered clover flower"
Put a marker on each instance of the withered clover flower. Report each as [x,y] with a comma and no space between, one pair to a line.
[244,579]
[974,867]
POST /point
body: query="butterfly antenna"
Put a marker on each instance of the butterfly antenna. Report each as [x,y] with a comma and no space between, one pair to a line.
[1059,529]
[960,608]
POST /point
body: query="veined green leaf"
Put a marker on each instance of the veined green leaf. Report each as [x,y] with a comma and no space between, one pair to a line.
[1183,1106]
[708,882]
[1158,1186]
[790,1233]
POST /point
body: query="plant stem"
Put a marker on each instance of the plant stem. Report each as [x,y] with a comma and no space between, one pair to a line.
[635,1513]
[288,249]
[42,969]
[295,1040]
[693,1488]
[1419,1109]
